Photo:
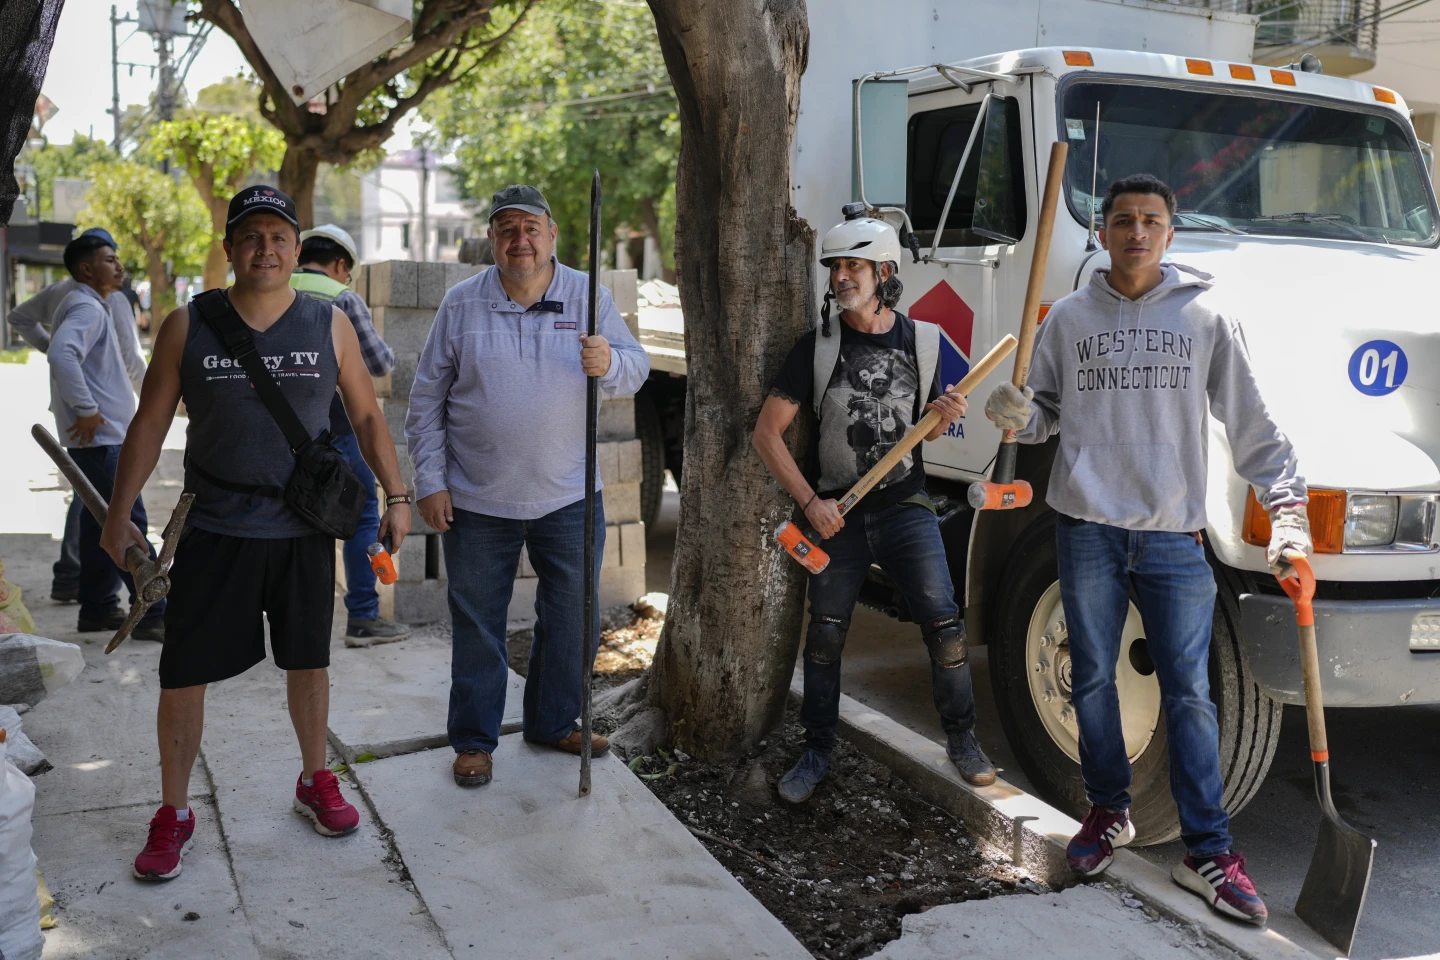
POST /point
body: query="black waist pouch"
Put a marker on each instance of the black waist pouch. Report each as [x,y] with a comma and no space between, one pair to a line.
[323,489]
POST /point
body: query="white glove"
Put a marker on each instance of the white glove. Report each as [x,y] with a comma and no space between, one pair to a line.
[1008,407]
[1289,534]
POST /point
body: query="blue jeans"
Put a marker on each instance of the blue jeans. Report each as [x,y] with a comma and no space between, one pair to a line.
[361,600]
[482,555]
[100,579]
[1175,591]
[905,540]
[67,568]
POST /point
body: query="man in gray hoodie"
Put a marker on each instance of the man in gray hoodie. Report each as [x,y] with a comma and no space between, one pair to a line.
[1125,371]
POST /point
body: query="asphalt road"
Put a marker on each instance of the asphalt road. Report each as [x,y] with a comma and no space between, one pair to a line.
[1385,765]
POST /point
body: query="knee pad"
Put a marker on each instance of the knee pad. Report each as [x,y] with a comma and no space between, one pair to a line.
[945,639]
[825,639]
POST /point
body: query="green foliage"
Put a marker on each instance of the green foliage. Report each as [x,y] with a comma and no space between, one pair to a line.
[578,86]
[69,160]
[153,219]
[238,95]
[220,151]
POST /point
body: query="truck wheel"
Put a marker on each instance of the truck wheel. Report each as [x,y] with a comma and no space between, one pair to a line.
[1030,675]
[652,457]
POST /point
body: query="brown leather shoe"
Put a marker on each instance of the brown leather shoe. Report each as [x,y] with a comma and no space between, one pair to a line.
[472,768]
[571,744]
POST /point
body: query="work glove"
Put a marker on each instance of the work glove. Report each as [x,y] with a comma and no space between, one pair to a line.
[1289,534]
[1008,407]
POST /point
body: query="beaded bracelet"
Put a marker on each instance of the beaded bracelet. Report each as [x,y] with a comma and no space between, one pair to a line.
[402,498]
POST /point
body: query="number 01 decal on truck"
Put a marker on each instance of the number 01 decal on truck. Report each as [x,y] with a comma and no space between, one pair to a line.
[1378,367]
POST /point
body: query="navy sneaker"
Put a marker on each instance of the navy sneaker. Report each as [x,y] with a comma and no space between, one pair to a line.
[1222,882]
[1091,850]
[802,779]
[965,752]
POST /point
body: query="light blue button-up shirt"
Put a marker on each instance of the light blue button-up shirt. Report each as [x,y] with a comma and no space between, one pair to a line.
[497,409]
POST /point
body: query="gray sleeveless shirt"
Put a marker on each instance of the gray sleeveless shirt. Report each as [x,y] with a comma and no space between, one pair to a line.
[233,437]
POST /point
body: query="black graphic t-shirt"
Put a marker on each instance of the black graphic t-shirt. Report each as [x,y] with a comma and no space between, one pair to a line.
[869,404]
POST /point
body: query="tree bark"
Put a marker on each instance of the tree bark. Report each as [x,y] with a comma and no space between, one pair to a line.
[722,669]
[217,266]
[297,177]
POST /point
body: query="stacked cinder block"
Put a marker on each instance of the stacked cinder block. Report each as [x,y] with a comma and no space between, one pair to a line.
[403,295]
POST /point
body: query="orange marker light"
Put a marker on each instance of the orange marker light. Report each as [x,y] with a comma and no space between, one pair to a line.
[1283,77]
[1385,96]
[1241,72]
[1326,511]
[1203,68]
[1079,58]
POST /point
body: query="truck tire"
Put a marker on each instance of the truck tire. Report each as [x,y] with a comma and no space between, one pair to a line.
[1030,676]
[652,457]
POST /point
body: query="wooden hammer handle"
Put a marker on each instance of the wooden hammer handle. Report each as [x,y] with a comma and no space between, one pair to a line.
[917,433]
[1035,287]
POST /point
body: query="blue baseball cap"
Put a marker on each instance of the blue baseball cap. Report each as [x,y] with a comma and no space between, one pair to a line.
[102,234]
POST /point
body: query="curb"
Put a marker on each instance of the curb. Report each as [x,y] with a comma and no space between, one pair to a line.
[1033,835]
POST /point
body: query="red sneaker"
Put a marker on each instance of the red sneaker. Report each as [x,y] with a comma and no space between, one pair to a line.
[322,803]
[169,840]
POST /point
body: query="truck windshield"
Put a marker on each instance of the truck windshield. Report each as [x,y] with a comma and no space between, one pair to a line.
[1251,164]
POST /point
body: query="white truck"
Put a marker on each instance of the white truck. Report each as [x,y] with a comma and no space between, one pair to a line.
[1308,196]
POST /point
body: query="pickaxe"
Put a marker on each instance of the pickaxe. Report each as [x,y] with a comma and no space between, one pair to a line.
[151,577]
[1002,491]
[801,544]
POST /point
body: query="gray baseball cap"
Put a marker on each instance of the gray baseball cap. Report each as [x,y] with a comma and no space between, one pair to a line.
[519,196]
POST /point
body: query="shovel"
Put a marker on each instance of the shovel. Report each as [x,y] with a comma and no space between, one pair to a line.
[1334,890]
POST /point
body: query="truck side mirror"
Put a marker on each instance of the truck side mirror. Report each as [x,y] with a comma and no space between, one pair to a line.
[878,142]
[995,215]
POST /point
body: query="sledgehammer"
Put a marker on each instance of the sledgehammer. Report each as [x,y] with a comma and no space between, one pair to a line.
[1002,491]
[801,544]
[151,577]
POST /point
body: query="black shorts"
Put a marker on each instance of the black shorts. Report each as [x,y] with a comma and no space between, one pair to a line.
[219,588]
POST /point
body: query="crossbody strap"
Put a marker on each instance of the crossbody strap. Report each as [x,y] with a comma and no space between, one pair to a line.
[215,309]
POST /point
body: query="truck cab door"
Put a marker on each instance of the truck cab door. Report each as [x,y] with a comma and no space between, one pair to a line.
[966,282]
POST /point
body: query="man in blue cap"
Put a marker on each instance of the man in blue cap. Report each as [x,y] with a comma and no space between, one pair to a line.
[32,321]
[94,401]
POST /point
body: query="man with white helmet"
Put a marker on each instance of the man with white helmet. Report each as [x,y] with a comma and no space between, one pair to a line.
[327,257]
[868,382]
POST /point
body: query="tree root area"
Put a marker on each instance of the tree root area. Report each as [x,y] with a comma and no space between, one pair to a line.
[843,869]
[840,871]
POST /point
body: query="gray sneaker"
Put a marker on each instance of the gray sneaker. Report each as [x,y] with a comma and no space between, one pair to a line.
[964,751]
[364,633]
[802,779]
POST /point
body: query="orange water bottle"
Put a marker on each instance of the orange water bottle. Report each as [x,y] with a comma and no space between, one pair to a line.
[382,563]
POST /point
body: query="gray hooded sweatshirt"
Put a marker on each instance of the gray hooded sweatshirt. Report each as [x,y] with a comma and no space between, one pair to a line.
[1134,379]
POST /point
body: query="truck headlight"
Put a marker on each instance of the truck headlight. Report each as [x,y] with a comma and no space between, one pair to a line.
[1370,520]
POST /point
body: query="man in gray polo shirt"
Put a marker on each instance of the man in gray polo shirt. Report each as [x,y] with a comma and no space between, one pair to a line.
[496,431]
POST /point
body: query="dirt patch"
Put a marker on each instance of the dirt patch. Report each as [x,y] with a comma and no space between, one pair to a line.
[839,871]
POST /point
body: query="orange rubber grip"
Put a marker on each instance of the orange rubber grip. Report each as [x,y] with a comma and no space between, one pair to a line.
[383,564]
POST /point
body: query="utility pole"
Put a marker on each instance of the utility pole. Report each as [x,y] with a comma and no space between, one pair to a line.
[115,74]
[424,203]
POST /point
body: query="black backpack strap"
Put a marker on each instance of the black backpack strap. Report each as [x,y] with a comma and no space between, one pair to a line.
[215,309]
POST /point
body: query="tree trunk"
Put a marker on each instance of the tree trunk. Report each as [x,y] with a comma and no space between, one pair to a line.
[216,264]
[723,666]
[162,288]
[297,177]
[650,214]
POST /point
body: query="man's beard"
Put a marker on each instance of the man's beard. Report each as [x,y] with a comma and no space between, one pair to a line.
[854,299]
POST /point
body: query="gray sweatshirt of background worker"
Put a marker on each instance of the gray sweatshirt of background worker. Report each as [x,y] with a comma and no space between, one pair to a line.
[34,322]
[1127,384]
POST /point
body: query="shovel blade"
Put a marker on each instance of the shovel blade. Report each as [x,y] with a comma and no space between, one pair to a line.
[1334,890]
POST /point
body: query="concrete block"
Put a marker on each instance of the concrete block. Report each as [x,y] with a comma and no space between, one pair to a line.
[632,544]
[383,386]
[608,457]
[405,328]
[623,287]
[423,602]
[617,419]
[622,502]
[360,282]
[393,283]
[456,272]
[611,556]
[393,698]
[503,863]
[430,285]
[621,584]
[402,376]
[631,460]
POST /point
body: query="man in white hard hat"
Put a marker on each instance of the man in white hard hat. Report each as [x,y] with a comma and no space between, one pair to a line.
[327,257]
[868,383]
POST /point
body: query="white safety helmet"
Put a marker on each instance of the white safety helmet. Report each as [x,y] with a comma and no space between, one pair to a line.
[331,232]
[864,238]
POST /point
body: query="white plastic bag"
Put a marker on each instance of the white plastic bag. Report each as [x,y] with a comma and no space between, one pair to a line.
[20,937]
[31,667]
[20,749]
